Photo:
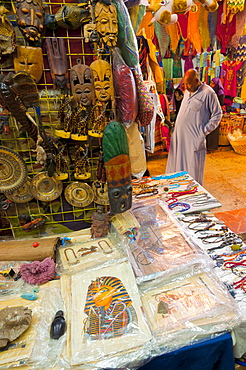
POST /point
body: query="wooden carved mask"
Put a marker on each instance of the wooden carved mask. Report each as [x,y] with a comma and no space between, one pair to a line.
[118,167]
[30,18]
[107,23]
[82,84]
[103,80]
[88,29]
[29,59]
[7,33]
[57,58]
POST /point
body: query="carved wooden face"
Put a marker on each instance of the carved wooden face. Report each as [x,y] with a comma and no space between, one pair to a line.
[103,80]
[88,29]
[107,23]
[29,59]
[30,18]
[120,198]
[82,84]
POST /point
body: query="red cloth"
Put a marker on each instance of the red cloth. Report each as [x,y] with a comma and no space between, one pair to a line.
[230,79]
[224,31]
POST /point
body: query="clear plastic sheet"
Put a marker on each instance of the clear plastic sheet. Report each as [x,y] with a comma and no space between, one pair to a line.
[218,238]
[184,307]
[106,324]
[76,255]
[34,348]
[159,244]
[8,285]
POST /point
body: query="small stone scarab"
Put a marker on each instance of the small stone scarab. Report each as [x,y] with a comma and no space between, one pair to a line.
[58,326]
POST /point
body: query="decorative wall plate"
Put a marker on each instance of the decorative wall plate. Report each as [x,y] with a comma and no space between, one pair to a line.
[100,193]
[46,188]
[13,170]
[79,194]
[23,194]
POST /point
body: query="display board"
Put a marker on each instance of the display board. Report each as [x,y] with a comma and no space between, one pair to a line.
[43,203]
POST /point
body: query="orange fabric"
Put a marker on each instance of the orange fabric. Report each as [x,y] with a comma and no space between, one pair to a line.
[149,31]
[193,29]
[174,32]
[203,28]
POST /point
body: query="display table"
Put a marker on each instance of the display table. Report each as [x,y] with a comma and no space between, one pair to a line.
[213,354]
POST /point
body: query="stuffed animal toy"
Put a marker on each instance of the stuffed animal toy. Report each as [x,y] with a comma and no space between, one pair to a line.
[167,11]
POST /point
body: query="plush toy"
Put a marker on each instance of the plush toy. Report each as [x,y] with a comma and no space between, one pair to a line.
[167,11]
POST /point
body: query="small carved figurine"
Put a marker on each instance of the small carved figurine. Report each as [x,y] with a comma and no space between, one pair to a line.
[58,326]
[100,223]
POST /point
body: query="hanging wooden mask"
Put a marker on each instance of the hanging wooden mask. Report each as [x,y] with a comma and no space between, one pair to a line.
[118,168]
[7,33]
[82,84]
[89,28]
[29,59]
[30,18]
[107,23]
[57,58]
[103,80]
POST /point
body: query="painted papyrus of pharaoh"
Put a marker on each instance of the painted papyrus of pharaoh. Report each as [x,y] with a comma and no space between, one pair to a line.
[109,310]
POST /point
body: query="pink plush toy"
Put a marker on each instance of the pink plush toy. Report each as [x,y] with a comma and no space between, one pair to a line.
[38,272]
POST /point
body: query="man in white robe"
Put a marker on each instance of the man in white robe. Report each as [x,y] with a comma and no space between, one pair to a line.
[199,114]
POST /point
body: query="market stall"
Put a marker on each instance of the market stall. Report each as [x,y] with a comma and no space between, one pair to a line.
[100,266]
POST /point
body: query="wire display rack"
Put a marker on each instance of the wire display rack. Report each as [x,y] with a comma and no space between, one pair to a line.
[57,216]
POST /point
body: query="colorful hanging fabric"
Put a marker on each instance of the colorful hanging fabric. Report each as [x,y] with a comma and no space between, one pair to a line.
[149,31]
[126,35]
[230,80]
[155,68]
[183,23]
[167,64]
[243,91]
[177,64]
[233,7]
[240,54]
[174,32]
[224,31]
[240,27]
[203,28]
[193,29]
[241,73]
[212,22]
[143,51]
[188,54]
[136,14]
[163,38]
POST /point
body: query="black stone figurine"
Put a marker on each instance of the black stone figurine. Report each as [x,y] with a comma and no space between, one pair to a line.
[58,326]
